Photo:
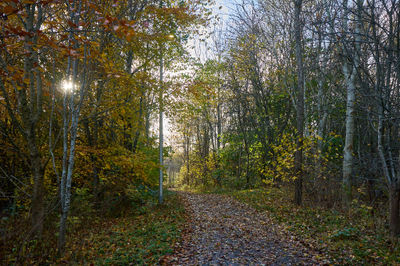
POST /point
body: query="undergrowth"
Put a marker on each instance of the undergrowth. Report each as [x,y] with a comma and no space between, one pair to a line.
[137,236]
[352,237]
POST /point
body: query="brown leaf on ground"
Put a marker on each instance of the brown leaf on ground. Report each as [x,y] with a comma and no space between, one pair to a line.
[222,231]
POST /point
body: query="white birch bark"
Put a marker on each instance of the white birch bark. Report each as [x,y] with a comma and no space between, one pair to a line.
[350,72]
[71,118]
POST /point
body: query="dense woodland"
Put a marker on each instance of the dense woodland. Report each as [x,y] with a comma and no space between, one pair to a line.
[293,109]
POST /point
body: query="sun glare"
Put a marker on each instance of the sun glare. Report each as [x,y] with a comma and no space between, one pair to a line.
[67,86]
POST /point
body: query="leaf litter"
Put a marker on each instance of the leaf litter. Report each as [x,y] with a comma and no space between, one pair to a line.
[223,231]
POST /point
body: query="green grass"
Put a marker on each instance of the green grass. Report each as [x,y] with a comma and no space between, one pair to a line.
[139,239]
[347,238]
[139,235]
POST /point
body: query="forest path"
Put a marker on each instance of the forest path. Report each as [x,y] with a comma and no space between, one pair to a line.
[223,231]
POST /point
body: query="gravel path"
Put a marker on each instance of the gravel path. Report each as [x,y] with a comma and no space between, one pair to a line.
[223,231]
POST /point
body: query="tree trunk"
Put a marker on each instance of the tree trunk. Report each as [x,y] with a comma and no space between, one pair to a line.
[30,100]
[147,124]
[37,196]
[248,170]
[69,159]
[300,104]
[137,132]
[348,146]
[219,120]
[61,236]
[350,68]
[239,166]
[394,203]
[188,160]
[66,203]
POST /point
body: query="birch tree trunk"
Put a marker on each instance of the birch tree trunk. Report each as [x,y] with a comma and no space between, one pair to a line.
[73,132]
[350,68]
[73,117]
[348,146]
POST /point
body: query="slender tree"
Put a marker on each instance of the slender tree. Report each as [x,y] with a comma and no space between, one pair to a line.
[300,101]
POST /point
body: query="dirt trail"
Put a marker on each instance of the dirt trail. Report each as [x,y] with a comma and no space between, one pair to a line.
[223,231]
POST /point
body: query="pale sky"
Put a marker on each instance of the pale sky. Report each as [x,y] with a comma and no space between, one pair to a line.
[200,49]
[227,5]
